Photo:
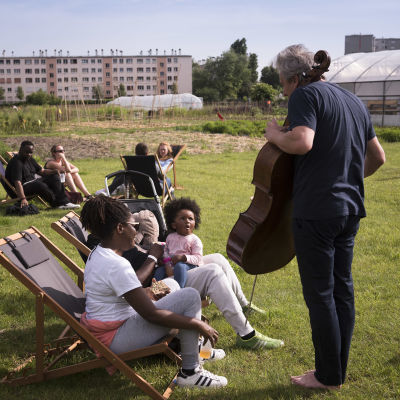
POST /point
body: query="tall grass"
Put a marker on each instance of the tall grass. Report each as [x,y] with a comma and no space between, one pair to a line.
[221,185]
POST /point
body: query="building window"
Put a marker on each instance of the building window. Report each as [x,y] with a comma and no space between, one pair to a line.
[139,69]
[84,61]
[162,73]
[169,69]
[74,70]
[108,92]
[161,64]
[93,70]
[85,79]
[52,84]
[17,80]
[148,78]
[169,60]
[59,80]
[100,79]
[93,79]
[175,78]
[140,61]
[108,74]
[74,79]
[115,60]
[175,59]
[2,71]
[99,70]
[43,61]
[51,66]
[27,62]
[121,78]
[59,70]
[85,70]
[107,65]
[162,91]
[99,61]
[8,61]
[65,70]
[148,87]
[17,62]
[93,61]
[148,60]
[121,70]
[140,87]
[175,69]
[73,61]
[66,89]
[65,61]
[43,80]
[140,78]
[154,69]
[129,61]
[162,83]
[27,71]
[65,79]
[169,78]
[28,80]
[9,89]
[36,61]
[129,88]
[129,70]
[148,69]
[43,70]
[9,71]
[85,88]
[108,83]
[16,71]
[121,60]
[129,78]
[51,75]
[58,61]
[37,80]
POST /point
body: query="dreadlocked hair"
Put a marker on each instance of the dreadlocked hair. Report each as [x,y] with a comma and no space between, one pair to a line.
[101,215]
[172,208]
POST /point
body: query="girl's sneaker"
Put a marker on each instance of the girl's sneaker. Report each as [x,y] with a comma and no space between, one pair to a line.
[259,341]
[201,379]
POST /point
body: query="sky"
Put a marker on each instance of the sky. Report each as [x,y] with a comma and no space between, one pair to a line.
[200,28]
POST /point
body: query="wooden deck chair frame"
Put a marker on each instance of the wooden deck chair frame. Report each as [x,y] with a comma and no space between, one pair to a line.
[9,199]
[45,372]
[181,149]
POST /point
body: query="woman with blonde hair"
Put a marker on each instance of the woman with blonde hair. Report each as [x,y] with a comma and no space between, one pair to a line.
[165,157]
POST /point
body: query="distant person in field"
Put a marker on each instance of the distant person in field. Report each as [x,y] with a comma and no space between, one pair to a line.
[165,157]
[60,163]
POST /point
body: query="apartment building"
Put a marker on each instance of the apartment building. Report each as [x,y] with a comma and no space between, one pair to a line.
[369,43]
[78,77]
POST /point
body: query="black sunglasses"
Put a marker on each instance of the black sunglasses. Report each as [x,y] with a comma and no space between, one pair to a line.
[59,151]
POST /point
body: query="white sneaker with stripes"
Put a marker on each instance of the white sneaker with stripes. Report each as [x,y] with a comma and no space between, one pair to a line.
[201,379]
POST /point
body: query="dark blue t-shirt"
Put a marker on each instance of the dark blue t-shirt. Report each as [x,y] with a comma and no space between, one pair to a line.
[329,179]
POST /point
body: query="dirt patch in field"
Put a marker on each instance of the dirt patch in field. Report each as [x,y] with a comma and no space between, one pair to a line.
[113,144]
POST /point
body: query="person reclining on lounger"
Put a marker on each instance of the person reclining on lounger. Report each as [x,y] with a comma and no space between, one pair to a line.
[129,315]
[21,171]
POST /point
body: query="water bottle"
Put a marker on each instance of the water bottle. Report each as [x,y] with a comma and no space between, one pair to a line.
[62,177]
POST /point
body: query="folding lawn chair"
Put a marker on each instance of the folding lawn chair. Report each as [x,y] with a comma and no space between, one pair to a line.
[177,150]
[33,260]
[147,165]
[11,193]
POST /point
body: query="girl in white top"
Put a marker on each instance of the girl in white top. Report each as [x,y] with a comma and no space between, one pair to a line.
[114,294]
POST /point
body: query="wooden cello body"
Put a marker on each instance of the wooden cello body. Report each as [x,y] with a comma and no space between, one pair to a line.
[261,241]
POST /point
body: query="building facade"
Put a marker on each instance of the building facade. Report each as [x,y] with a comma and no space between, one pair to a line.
[79,78]
[369,43]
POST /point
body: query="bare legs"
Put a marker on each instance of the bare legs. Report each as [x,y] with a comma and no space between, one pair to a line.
[73,181]
[309,381]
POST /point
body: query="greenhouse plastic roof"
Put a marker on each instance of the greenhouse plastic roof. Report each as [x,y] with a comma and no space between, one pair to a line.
[365,67]
[183,100]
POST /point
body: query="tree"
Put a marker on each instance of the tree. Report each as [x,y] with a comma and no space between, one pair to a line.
[262,92]
[174,88]
[253,65]
[121,90]
[239,46]
[270,75]
[1,93]
[97,92]
[38,98]
[20,93]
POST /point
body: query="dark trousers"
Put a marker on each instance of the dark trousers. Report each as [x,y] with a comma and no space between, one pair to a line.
[49,187]
[324,250]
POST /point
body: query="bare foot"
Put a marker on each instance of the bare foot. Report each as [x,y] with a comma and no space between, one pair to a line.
[310,371]
[309,381]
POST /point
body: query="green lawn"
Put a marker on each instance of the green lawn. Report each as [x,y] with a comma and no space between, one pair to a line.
[220,184]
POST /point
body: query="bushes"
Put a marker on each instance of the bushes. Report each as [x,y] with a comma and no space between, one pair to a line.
[388,134]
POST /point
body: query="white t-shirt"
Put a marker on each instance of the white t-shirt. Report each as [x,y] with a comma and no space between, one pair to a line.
[107,277]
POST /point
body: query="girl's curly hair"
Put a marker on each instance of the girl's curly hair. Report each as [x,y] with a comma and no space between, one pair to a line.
[172,208]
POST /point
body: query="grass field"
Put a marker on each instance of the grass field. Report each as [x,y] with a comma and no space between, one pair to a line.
[220,184]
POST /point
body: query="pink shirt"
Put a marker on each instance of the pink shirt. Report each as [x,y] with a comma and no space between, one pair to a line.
[189,245]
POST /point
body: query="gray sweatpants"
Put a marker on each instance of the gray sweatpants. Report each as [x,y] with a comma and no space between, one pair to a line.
[136,332]
[217,280]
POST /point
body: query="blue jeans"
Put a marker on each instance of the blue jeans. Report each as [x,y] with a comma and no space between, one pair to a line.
[180,272]
[324,250]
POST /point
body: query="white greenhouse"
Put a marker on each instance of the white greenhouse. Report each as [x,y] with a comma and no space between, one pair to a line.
[375,79]
[158,102]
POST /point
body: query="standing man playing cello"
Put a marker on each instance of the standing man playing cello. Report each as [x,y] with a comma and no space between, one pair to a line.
[335,148]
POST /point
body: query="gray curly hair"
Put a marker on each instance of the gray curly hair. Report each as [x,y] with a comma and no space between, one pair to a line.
[294,60]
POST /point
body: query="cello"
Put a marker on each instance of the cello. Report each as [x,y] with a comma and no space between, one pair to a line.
[261,240]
